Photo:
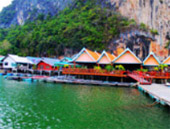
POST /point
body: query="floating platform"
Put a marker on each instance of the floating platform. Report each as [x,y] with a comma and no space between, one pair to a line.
[159,92]
[70,80]
[90,82]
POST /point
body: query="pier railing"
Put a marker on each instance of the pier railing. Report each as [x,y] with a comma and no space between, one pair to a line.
[102,72]
[141,77]
[156,74]
[159,75]
[117,73]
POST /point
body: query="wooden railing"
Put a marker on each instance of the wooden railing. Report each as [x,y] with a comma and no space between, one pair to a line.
[156,75]
[142,77]
[116,73]
[159,75]
[102,72]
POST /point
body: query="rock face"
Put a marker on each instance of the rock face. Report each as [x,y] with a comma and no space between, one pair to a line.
[22,10]
[154,13]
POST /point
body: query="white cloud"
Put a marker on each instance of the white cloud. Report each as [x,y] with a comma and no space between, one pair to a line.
[4,3]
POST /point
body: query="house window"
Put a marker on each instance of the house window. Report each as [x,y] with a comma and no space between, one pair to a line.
[47,67]
[6,63]
[14,64]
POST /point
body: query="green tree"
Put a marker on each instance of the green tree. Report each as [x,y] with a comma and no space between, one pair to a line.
[97,68]
[109,68]
[87,24]
[120,67]
[5,47]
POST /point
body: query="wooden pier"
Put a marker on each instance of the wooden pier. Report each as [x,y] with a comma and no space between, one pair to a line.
[67,80]
[159,92]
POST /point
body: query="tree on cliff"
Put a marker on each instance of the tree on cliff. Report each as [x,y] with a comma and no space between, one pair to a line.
[86,25]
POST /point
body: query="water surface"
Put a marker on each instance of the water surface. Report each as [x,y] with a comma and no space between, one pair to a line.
[62,106]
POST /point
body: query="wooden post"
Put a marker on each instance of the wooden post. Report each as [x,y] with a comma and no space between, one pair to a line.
[162,81]
[141,67]
[107,78]
[121,79]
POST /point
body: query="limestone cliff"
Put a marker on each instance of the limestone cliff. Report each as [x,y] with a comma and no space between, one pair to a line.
[154,13]
[21,11]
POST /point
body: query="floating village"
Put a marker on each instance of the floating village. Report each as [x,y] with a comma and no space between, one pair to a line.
[93,68]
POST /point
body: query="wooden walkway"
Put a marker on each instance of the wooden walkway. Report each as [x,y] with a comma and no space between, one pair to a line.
[160,92]
[90,82]
[140,78]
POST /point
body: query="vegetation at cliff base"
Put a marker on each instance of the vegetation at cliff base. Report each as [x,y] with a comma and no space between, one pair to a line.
[86,25]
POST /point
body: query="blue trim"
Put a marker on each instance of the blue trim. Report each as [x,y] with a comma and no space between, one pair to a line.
[78,55]
[127,49]
[84,49]
[154,57]
[165,60]
[84,62]
[104,52]
[127,63]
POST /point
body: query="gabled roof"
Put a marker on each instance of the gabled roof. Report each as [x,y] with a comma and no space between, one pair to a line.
[34,60]
[127,57]
[62,63]
[97,53]
[109,56]
[94,56]
[151,60]
[50,61]
[167,61]
[18,59]
[67,59]
[1,58]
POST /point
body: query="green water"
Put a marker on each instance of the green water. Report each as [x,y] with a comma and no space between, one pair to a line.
[57,106]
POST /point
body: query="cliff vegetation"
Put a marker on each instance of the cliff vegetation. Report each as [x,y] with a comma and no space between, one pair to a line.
[86,25]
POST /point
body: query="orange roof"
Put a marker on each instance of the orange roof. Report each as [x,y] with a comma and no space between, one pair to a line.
[167,61]
[151,60]
[106,58]
[98,53]
[86,55]
[93,54]
[127,57]
[111,56]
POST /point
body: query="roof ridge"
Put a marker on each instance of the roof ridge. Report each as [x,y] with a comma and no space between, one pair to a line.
[126,50]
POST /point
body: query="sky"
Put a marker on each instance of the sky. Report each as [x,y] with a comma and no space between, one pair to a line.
[4,3]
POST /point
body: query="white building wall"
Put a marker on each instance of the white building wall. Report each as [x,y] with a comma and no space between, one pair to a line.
[8,63]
